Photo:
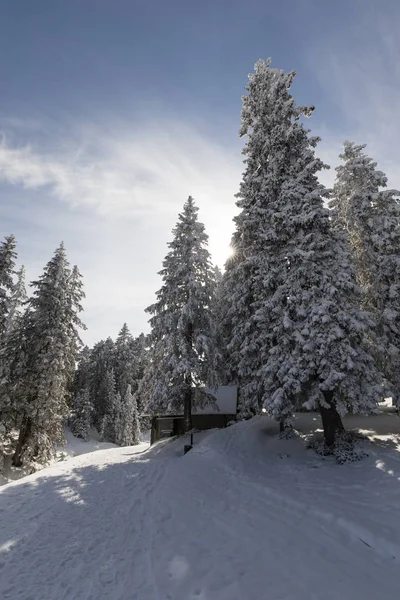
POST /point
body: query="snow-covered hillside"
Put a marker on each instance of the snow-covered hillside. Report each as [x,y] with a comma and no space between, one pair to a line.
[243,516]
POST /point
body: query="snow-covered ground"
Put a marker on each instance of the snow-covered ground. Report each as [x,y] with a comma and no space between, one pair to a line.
[243,516]
[73,447]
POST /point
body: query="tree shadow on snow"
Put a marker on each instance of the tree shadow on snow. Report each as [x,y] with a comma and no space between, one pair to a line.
[54,527]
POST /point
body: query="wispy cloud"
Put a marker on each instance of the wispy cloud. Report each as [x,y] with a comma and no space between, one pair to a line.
[120,172]
[113,194]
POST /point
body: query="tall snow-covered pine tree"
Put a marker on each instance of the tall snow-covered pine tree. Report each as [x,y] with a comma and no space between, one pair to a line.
[183,349]
[50,340]
[298,336]
[370,217]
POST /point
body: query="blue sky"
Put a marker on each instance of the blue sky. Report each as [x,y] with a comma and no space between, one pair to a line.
[113,112]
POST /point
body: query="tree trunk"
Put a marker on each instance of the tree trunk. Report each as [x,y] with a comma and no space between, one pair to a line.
[281,426]
[187,410]
[331,420]
[24,434]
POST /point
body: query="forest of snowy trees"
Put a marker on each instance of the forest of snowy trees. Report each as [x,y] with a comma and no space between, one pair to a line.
[105,389]
[306,315]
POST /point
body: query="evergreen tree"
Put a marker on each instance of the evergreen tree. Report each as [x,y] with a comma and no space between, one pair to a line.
[140,354]
[82,377]
[127,418]
[14,365]
[7,264]
[130,428]
[17,301]
[222,328]
[75,295]
[50,337]
[124,359]
[218,275]
[111,421]
[117,417]
[135,424]
[297,334]
[236,308]
[82,406]
[183,350]
[81,420]
[100,364]
[370,217]
[12,299]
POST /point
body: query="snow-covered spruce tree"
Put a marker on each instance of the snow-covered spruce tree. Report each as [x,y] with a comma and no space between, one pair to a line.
[218,310]
[82,408]
[117,417]
[50,337]
[111,422]
[135,423]
[370,216]
[130,428]
[75,295]
[14,355]
[183,352]
[82,414]
[82,373]
[100,364]
[12,296]
[126,421]
[304,339]
[140,352]
[17,301]
[124,360]
[7,264]
[218,275]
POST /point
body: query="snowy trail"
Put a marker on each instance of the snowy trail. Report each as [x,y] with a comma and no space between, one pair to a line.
[75,540]
[243,516]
